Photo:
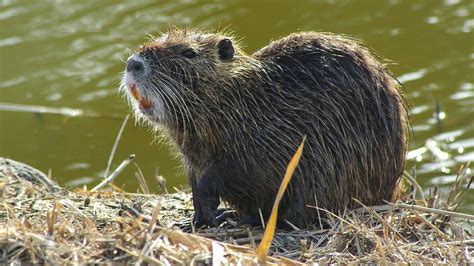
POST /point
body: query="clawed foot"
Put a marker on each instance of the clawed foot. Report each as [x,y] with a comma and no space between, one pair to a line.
[256,221]
[212,218]
[222,215]
[249,220]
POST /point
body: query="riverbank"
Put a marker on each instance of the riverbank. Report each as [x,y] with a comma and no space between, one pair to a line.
[41,222]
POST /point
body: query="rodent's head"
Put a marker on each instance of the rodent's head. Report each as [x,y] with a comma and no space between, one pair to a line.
[176,68]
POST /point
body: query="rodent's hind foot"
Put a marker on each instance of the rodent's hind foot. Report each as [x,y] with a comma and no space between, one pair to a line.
[256,221]
[250,220]
[224,215]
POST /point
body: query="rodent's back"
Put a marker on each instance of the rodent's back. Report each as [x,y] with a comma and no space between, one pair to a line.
[348,105]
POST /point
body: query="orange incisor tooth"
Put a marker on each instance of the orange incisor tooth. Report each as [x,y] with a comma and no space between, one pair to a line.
[135,93]
[145,103]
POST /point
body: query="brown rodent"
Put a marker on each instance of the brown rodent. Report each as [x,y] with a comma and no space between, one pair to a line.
[237,120]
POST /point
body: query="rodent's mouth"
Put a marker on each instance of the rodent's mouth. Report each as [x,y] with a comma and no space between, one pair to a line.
[144,103]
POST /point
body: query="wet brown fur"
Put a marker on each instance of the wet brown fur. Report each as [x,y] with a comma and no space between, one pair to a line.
[238,122]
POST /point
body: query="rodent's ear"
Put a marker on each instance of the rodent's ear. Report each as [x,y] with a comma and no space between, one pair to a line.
[226,49]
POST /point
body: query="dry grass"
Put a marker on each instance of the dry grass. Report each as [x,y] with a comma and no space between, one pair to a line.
[41,223]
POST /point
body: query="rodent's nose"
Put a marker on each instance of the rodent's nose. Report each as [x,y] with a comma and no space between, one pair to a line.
[134,65]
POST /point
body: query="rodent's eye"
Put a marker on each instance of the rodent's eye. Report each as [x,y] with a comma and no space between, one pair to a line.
[189,53]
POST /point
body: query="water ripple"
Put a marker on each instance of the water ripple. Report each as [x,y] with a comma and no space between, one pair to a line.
[412,76]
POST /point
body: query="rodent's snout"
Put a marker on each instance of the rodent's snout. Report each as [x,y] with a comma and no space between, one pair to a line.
[134,72]
[135,65]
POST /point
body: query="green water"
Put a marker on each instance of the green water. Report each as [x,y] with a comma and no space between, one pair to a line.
[71,53]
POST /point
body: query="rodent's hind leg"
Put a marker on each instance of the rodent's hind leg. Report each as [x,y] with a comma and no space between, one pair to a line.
[205,200]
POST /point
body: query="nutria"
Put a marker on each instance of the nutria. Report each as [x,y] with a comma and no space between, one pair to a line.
[237,120]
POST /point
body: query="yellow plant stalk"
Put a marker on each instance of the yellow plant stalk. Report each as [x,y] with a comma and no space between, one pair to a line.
[262,250]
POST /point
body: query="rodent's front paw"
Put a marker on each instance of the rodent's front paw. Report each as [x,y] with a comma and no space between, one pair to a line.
[205,216]
[209,216]
[206,200]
